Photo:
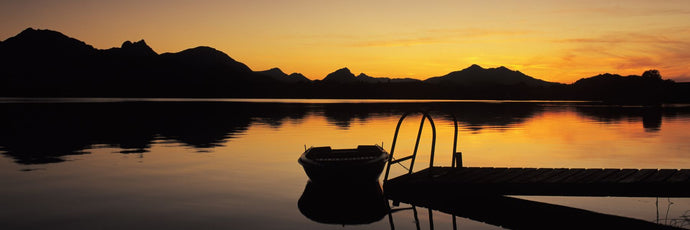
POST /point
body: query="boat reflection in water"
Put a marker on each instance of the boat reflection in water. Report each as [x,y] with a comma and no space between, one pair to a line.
[343,203]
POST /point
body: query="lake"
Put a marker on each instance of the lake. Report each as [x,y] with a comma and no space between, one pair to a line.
[232,164]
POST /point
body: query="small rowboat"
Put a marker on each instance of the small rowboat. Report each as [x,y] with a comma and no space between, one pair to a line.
[363,164]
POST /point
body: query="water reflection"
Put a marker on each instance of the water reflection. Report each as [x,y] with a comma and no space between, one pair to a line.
[343,203]
[476,115]
[651,116]
[38,133]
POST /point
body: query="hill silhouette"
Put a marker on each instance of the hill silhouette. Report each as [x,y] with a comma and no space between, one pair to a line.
[344,75]
[132,49]
[278,75]
[476,75]
[45,63]
[48,63]
[368,79]
[340,76]
[647,88]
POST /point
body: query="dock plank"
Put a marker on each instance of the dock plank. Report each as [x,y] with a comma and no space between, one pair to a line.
[660,176]
[618,176]
[638,176]
[453,176]
[585,175]
[522,172]
[563,176]
[682,175]
[546,175]
[494,172]
[599,177]
[478,174]
[506,174]
[529,173]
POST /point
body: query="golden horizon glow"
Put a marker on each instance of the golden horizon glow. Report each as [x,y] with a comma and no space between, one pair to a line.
[560,41]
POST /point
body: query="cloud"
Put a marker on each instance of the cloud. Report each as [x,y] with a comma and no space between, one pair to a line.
[438,36]
[629,53]
[629,37]
[400,42]
[624,11]
[637,62]
[481,32]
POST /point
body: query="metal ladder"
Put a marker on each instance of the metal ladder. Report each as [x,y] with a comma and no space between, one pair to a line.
[457,156]
[456,162]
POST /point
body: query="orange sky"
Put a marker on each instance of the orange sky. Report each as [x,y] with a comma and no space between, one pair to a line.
[558,41]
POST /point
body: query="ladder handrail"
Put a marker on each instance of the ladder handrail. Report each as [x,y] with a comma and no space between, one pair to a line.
[425,116]
[455,141]
[419,135]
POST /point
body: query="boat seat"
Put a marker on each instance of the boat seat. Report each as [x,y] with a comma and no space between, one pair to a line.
[363,152]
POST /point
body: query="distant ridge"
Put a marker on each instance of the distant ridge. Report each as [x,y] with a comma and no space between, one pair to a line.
[46,63]
[647,88]
[344,75]
[278,75]
[46,42]
[475,74]
[49,63]
[297,77]
[133,49]
[340,76]
[366,78]
[207,59]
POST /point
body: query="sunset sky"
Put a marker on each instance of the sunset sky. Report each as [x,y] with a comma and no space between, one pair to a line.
[560,41]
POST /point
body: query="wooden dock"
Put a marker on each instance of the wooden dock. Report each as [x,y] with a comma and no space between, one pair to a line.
[516,213]
[438,181]
[478,194]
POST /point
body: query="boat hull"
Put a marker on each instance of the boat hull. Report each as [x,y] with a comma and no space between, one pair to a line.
[326,165]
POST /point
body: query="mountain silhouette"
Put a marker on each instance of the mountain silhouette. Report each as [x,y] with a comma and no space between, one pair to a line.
[204,68]
[44,43]
[475,74]
[45,63]
[368,79]
[132,49]
[344,75]
[340,76]
[49,63]
[297,77]
[207,58]
[648,88]
[278,75]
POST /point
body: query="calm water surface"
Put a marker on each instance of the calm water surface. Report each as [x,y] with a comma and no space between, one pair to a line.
[232,164]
